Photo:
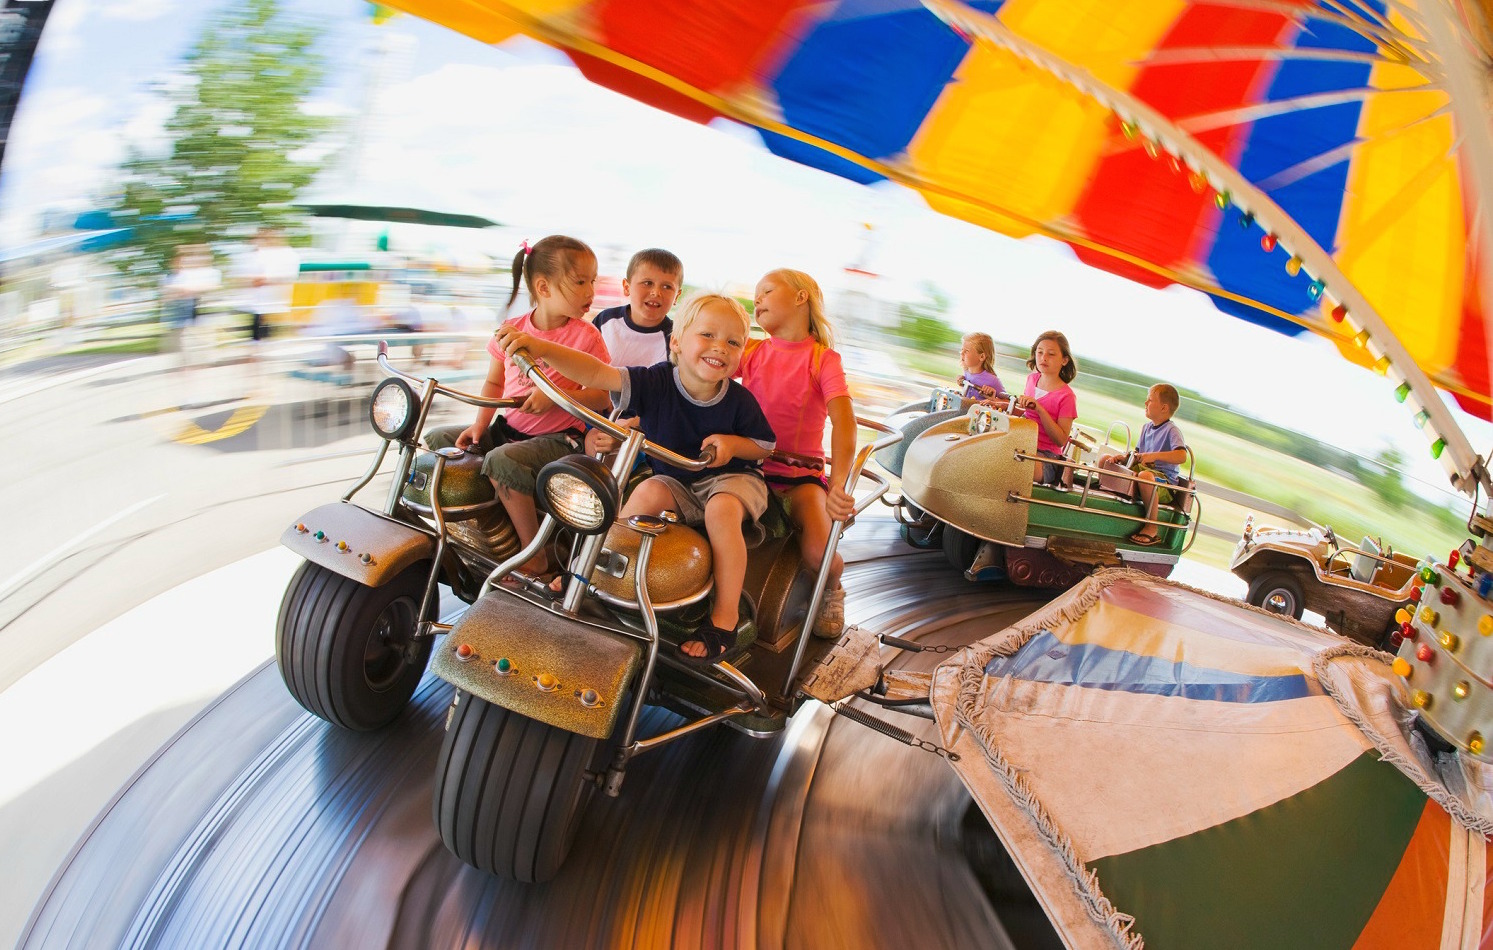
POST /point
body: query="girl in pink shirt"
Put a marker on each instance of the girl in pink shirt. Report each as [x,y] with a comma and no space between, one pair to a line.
[799,381]
[560,274]
[1048,399]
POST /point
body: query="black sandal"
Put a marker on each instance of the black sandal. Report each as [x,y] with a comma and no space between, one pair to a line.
[719,645]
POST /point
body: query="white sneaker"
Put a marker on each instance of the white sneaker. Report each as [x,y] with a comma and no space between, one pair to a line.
[831,622]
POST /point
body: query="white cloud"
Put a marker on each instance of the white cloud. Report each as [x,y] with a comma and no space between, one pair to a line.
[63,26]
[139,11]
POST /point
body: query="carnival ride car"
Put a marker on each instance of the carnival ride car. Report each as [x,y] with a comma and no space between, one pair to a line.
[1203,145]
[549,689]
[1357,591]
[966,485]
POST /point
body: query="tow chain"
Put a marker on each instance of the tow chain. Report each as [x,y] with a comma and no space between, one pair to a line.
[892,732]
[914,647]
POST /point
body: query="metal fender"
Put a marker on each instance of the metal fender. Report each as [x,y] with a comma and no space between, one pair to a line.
[540,663]
[965,480]
[357,543]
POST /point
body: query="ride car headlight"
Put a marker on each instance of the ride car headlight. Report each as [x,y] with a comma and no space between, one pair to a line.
[580,492]
[944,399]
[392,410]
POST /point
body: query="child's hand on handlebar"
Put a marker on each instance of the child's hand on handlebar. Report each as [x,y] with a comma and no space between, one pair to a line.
[721,446]
[600,442]
[840,504]
[510,338]
[536,403]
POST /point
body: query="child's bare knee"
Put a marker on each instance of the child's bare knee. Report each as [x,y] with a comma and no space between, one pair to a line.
[722,508]
[649,498]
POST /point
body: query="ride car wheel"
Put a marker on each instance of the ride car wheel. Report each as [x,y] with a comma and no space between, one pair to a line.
[510,791]
[959,548]
[1278,592]
[346,651]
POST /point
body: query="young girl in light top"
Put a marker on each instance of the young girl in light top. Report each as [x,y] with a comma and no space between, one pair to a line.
[799,380]
[977,367]
[1048,400]
[560,274]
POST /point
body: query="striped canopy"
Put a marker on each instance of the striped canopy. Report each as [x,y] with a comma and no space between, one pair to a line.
[1290,158]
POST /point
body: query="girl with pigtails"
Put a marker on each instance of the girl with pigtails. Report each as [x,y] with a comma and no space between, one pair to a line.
[560,275]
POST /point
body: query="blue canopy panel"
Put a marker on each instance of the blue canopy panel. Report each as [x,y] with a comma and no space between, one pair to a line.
[891,55]
[1311,195]
[1046,659]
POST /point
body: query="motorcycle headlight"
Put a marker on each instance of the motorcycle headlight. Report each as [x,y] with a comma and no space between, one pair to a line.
[392,411]
[580,492]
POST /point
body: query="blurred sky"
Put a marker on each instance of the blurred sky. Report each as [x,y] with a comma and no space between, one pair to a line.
[516,135]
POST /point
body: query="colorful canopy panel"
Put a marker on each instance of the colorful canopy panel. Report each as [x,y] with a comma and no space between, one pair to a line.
[1169,767]
[1335,110]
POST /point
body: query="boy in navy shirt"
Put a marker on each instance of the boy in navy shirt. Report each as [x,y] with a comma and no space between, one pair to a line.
[688,405]
[637,333]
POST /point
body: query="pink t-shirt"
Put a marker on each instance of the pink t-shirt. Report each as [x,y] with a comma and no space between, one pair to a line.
[576,334]
[1061,404]
[794,397]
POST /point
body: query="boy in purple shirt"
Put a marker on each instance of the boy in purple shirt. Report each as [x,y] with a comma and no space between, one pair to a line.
[1158,455]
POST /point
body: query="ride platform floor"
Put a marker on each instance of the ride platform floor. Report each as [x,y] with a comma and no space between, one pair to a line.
[259,825]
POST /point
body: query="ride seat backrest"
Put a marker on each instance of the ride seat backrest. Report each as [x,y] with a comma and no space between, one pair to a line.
[1364,566]
[1182,497]
[1123,487]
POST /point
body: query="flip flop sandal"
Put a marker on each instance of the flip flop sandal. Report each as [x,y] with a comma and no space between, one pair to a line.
[719,645]
[1145,541]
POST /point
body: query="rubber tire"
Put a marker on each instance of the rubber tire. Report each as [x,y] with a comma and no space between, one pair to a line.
[959,548]
[1278,582]
[328,624]
[510,791]
[923,540]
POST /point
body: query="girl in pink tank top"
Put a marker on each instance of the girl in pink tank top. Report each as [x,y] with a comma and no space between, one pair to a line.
[799,381]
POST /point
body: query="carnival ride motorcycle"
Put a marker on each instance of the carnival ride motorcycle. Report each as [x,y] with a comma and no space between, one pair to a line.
[549,688]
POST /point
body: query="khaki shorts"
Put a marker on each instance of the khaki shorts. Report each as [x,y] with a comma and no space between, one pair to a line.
[513,465]
[749,489]
[1164,495]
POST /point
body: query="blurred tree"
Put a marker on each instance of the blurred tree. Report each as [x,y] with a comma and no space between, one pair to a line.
[923,323]
[1384,479]
[238,140]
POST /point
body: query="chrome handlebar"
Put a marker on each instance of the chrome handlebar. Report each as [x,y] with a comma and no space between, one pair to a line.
[481,402]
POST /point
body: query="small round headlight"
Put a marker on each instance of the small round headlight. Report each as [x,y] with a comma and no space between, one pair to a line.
[392,410]
[580,492]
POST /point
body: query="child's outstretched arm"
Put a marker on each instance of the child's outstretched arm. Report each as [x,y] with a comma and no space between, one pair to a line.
[840,503]
[581,367]
[1174,457]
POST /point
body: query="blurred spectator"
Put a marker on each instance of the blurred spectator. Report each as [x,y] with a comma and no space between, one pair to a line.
[335,316]
[192,278]
[270,271]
